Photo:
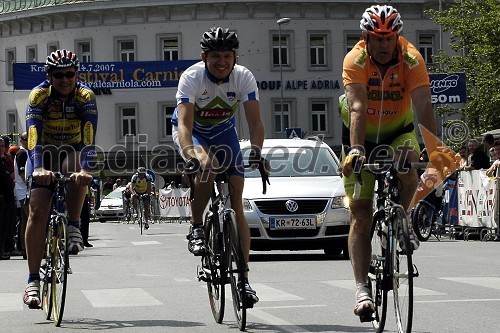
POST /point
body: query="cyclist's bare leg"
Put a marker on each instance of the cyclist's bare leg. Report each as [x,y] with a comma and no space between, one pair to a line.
[203,184]
[146,209]
[76,194]
[236,189]
[134,202]
[40,205]
[359,242]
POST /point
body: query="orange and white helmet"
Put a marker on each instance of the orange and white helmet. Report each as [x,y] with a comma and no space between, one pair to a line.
[381,21]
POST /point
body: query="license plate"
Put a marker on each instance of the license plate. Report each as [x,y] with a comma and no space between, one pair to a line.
[276,223]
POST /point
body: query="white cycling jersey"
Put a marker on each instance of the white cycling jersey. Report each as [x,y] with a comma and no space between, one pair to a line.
[214,104]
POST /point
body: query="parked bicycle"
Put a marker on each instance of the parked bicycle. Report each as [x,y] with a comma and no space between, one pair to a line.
[222,261]
[55,269]
[391,265]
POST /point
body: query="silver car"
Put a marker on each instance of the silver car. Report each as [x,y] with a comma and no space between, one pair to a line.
[305,205]
[111,207]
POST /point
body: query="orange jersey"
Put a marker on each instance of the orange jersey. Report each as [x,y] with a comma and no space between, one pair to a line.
[389,100]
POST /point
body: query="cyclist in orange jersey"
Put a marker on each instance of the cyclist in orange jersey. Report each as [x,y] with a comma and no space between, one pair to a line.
[384,76]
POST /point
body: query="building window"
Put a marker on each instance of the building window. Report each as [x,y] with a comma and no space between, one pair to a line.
[166,111]
[285,52]
[31,54]
[426,47]
[128,121]
[351,40]
[52,47]
[277,116]
[84,51]
[319,111]
[317,50]
[126,49]
[12,122]
[10,59]
[169,48]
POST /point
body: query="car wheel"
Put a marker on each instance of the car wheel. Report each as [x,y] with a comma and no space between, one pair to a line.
[102,220]
[332,250]
[345,252]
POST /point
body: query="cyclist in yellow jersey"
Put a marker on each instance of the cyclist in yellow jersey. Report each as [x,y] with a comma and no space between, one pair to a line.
[141,186]
[384,75]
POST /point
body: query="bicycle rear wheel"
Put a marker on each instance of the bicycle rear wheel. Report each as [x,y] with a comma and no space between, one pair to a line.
[141,214]
[214,261]
[236,268]
[376,276]
[401,260]
[422,220]
[46,270]
[60,264]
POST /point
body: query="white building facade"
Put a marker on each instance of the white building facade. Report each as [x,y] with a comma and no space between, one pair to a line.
[313,45]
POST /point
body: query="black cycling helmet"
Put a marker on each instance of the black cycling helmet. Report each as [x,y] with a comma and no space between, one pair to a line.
[61,59]
[218,39]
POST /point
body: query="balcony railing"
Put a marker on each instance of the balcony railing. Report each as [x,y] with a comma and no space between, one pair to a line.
[9,6]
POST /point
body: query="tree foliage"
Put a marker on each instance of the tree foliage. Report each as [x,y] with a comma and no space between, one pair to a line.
[475,38]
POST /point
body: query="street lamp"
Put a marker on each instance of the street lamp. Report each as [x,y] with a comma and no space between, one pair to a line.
[284,20]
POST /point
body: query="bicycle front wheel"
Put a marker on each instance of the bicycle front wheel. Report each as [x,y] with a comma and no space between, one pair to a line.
[376,276]
[422,221]
[60,264]
[141,215]
[236,268]
[215,264]
[46,270]
[402,269]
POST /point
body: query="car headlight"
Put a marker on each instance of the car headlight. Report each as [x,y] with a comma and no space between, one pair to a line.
[247,206]
[340,202]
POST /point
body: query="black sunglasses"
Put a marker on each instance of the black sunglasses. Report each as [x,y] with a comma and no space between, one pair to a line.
[60,75]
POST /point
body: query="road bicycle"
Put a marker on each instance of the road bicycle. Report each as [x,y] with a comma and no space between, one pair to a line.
[141,219]
[222,261]
[391,265]
[425,217]
[55,269]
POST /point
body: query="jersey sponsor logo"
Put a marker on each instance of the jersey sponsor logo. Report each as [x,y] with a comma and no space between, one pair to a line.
[61,126]
[32,137]
[410,60]
[215,113]
[374,82]
[88,133]
[38,95]
[361,59]
[231,95]
[376,95]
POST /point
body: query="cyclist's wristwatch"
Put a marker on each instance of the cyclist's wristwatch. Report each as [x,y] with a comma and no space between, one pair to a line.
[355,152]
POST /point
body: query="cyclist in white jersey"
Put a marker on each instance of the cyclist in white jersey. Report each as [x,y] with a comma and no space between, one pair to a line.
[208,96]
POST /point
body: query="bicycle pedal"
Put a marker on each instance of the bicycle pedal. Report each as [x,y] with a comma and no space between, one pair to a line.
[367,317]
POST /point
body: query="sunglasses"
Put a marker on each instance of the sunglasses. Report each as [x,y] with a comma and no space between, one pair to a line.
[60,75]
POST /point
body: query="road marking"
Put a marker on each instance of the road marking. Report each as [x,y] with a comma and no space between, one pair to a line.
[461,300]
[99,244]
[293,306]
[109,298]
[11,302]
[284,325]
[351,285]
[480,281]
[269,294]
[146,243]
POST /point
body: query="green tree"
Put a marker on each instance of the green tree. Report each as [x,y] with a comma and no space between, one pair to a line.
[475,37]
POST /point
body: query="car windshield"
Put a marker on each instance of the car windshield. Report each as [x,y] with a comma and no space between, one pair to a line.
[297,162]
[116,194]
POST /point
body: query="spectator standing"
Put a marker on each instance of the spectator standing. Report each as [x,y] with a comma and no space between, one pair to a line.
[6,196]
[488,143]
[7,206]
[496,163]
[117,183]
[107,187]
[462,153]
[477,158]
[20,166]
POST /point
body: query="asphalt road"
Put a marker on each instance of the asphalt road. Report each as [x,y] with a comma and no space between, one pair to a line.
[133,283]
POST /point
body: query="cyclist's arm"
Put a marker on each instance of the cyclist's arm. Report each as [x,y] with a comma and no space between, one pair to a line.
[185,122]
[357,98]
[255,123]
[88,131]
[421,99]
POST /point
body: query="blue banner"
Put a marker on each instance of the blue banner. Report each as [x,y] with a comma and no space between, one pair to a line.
[448,88]
[110,75]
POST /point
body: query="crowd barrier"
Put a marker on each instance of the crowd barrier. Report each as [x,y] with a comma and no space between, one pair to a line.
[174,204]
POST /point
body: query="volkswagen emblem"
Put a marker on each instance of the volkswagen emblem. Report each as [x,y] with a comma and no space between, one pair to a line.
[291,205]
